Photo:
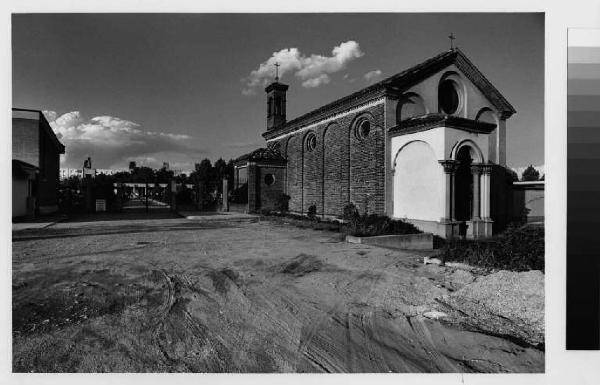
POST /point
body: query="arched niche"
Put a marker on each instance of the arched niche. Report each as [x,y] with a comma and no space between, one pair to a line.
[418,183]
[486,115]
[410,105]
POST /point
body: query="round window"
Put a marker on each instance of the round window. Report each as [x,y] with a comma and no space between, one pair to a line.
[311,142]
[448,97]
[269,179]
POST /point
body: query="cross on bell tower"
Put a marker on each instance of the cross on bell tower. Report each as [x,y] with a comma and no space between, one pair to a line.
[277,71]
[452,38]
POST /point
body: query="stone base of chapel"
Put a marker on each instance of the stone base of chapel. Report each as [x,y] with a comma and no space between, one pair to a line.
[479,228]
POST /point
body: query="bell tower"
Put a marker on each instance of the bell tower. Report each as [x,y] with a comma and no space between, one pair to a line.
[276,102]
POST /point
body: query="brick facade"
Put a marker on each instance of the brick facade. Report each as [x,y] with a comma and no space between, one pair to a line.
[342,167]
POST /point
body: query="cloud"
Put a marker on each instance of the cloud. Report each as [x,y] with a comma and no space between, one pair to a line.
[315,82]
[313,70]
[112,142]
[372,75]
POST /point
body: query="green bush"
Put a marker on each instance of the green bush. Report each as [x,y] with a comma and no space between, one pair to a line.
[519,248]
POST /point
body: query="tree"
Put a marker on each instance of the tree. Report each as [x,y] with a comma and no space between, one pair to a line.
[132,165]
[143,174]
[512,175]
[164,175]
[230,171]
[530,174]
[203,172]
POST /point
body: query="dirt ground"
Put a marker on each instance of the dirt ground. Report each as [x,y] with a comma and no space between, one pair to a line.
[177,295]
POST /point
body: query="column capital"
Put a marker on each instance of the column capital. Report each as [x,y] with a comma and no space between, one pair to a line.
[449,165]
[486,169]
[477,168]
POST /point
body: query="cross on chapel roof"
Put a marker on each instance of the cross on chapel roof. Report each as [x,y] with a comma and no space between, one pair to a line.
[452,38]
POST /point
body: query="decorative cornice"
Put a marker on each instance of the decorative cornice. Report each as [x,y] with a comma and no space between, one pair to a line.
[476,168]
[429,121]
[269,136]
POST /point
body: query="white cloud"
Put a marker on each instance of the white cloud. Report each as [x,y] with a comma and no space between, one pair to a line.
[112,142]
[315,82]
[312,70]
[372,75]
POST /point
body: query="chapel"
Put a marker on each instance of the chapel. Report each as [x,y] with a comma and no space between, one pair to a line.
[427,145]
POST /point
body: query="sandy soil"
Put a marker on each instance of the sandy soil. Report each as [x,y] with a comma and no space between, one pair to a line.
[174,295]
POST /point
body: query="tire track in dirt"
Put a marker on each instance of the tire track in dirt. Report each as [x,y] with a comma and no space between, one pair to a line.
[320,348]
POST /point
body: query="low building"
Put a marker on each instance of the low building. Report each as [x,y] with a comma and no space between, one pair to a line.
[36,164]
[528,201]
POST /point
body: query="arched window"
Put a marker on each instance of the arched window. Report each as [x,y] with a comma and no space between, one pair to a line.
[269,106]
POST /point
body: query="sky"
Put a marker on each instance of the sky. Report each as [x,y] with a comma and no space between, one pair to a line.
[179,88]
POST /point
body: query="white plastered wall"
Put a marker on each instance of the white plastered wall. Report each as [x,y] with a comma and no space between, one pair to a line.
[418,179]
[419,182]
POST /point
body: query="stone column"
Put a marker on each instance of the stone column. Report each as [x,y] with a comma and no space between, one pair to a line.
[252,191]
[476,171]
[225,191]
[450,228]
[449,169]
[486,171]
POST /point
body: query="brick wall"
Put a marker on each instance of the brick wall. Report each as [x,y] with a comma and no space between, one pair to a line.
[269,195]
[342,168]
[25,145]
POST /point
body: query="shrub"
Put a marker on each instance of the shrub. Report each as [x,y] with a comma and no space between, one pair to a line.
[519,248]
[370,225]
[350,212]
[312,211]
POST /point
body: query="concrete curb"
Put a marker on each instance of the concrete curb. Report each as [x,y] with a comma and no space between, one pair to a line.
[405,241]
[220,217]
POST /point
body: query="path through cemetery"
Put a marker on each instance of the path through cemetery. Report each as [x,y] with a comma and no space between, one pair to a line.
[177,295]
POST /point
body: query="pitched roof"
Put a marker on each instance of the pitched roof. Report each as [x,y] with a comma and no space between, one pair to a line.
[403,80]
[262,154]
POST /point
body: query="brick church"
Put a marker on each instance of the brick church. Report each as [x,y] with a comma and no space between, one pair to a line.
[427,145]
